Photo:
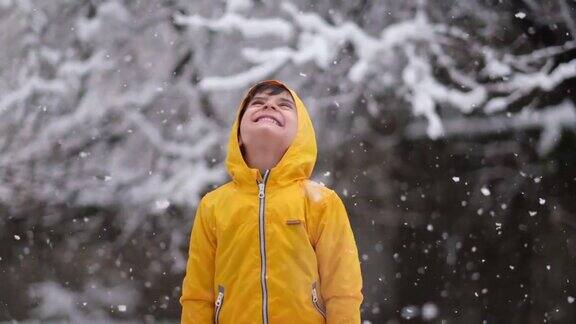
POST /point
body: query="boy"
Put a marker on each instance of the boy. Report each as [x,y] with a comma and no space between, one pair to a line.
[271,246]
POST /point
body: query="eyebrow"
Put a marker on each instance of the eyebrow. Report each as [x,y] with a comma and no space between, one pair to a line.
[264,98]
[258,98]
[287,100]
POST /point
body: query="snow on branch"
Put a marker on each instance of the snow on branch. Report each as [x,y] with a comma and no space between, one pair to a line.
[91,109]
[521,84]
[249,28]
[100,119]
[544,80]
[67,76]
[33,85]
[243,79]
[187,151]
[540,54]
[551,120]
[425,46]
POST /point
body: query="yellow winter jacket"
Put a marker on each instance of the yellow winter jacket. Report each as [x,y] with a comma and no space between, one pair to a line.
[273,248]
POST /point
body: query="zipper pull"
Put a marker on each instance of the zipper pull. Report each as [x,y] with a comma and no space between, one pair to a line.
[314,295]
[260,190]
[219,299]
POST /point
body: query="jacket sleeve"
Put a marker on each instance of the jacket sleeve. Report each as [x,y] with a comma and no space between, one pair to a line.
[338,263]
[197,298]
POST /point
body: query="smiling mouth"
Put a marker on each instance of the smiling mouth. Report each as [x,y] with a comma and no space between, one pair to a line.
[268,119]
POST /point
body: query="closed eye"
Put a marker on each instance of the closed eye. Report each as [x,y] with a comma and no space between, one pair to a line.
[286,103]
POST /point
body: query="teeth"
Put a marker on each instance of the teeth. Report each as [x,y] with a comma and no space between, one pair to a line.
[269,119]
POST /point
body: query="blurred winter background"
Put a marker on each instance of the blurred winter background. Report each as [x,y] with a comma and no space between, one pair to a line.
[447,126]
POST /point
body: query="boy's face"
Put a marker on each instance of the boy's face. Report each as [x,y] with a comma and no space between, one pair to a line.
[272,117]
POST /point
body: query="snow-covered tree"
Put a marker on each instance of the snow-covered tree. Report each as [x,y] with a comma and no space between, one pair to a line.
[447,126]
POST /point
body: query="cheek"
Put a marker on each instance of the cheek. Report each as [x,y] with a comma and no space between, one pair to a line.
[243,133]
[244,121]
[293,126]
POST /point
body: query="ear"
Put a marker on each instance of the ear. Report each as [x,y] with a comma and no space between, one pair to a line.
[241,146]
[240,140]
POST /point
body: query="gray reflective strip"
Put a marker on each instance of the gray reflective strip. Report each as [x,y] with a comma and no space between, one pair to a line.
[262,198]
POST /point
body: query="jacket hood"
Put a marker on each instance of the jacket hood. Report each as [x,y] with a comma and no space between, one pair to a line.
[296,164]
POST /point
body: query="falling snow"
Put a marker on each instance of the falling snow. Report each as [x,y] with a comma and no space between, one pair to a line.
[448,135]
[541,201]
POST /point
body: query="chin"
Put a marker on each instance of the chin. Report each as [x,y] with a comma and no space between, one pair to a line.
[268,135]
[273,130]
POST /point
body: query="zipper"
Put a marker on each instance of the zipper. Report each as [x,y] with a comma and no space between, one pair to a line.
[315,301]
[262,202]
[219,302]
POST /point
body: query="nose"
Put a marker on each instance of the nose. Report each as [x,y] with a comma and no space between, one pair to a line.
[269,105]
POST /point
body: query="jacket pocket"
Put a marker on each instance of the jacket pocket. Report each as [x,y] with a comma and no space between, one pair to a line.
[293,222]
[316,301]
[218,304]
